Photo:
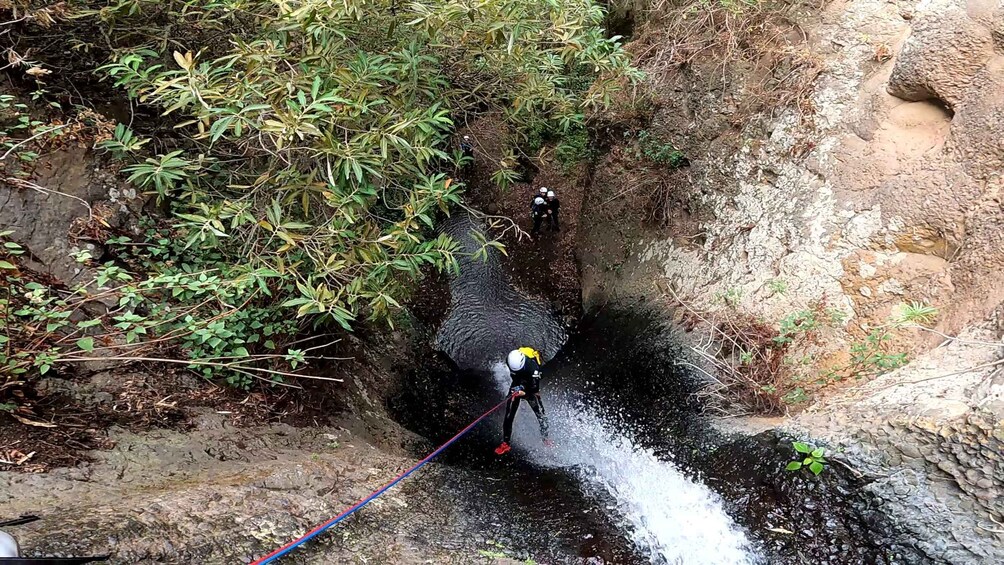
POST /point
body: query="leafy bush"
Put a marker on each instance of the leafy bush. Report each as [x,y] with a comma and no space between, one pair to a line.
[319,130]
[661,151]
[123,142]
[868,359]
[798,323]
[18,129]
[574,147]
[217,319]
[305,164]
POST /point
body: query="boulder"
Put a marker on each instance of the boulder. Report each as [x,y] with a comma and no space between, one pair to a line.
[70,185]
[979,123]
[945,51]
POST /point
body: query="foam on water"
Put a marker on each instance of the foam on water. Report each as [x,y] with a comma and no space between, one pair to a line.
[670,517]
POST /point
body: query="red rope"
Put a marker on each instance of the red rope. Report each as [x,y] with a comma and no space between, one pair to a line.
[369,498]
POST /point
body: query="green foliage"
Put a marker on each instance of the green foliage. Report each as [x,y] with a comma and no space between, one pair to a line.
[161,173]
[796,324]
[506,175]
[123,142]
[305,170]
[194,306]
[660,151]
[837,317]
[777,286]
[814,458]
[731,297]
[868,358]
[916,313]
[341,114]
[574,147]
[18,129]
[797,395]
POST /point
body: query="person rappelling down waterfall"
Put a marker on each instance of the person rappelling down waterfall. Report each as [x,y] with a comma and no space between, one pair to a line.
[524,368]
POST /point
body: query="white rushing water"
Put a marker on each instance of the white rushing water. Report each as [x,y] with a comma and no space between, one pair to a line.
[670,517]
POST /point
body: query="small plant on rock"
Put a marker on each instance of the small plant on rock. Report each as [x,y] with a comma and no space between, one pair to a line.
[777,286]
[661,151]
[868,359]
[916,313]
[813,459]
[731,297]
[795,396]
[796,324]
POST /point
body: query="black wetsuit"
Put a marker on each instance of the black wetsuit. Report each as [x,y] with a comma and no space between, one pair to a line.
[529,378]
[552,218]
[468,151]
[537,212]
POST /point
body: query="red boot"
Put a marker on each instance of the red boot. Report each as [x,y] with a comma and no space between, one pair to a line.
[502,449]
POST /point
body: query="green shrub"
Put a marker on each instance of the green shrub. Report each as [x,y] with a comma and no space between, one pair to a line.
[341,115]
[868,358]
[574,147]
[196,308]
[305,165]
[796,324]
[660,151]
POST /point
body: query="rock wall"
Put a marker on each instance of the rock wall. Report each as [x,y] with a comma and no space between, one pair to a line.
[220,494]
[884,187]
[931,440]
[868,200]
[50,216]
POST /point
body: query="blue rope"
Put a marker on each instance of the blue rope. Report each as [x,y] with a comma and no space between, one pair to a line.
[318,530]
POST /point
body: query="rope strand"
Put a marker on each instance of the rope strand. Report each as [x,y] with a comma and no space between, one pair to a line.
[271,557]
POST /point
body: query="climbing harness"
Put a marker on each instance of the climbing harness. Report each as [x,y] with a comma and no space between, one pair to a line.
[363,502]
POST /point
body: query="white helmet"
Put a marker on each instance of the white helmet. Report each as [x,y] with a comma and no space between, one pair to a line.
[516,360]
[467,138]
[543,190]
[8,546]
[550,194]
[538,201]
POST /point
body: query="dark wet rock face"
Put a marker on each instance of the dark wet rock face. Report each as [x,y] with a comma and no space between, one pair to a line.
[488,317]
[621,366]
[799,518]
[625,361]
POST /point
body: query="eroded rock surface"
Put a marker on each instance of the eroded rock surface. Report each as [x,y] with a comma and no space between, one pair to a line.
[947,47]
[220,494]
[933,438]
